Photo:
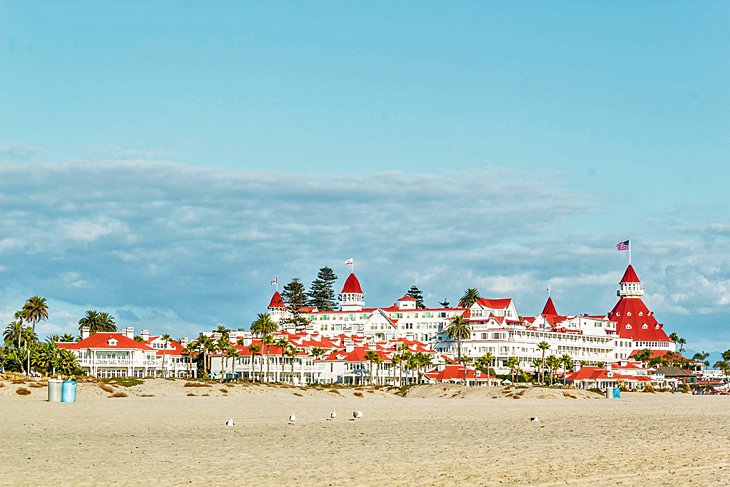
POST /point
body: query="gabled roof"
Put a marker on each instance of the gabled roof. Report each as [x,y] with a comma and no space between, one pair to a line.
[105,340]
[630,275]
[277,302]
[407,298]
[549,308]
[502,303]
[634,320]
[352,285]
[452,372]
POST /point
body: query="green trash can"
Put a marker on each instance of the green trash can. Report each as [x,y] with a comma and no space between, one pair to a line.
[55,387]
[68,391]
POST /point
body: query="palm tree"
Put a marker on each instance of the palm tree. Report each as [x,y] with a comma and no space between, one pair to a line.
[567,362]
[206,345]
[553,362]
[222,329]
[222,344]
[371,356]
[106,322]
[35,310]
[543,346]
[190,350]
[378,361]
[316,352]
[464,362]
[268,341]
[395,361]
[291,352]
[413,361]
[470,297]
[682,342]
[513,363]
[166,339]
[723,365]
[425,360]
[282,342]
[14,333]
[90,319]
[643,355]
[66,337]
[254,348]
[460,330]
[232,353]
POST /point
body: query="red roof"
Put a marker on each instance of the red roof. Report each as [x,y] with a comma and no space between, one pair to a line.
[103,339]
[549,308]
[596,373]
[407,298]
[630,275]
[634,320]
[451,372]
[352,285]
[276,301]
[495,303]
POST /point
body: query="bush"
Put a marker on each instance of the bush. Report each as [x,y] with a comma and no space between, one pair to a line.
[127,381]
[22,391]
[196,384]
[597,391]
[358,394]
[106,387]
[649,388]
[118,394]
[36,385]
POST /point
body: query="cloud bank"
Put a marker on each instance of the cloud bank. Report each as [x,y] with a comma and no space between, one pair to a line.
[178,248]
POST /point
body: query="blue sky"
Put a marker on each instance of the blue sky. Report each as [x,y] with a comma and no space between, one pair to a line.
[163,161]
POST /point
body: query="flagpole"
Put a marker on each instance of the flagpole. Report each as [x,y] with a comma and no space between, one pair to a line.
[277,283]
[629,252]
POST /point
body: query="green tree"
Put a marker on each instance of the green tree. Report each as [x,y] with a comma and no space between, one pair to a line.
[268,340]
[190,349]
[458,329]
[316,352]
[106,322]
[66,337]
[321,292]
[513,364]
[542,346]
[470,297]
[282,342]
[254,348]
[166,339]
[35,310]
[723,365]
[295,298]
[553,363]
[207,346]
[13,333]
[464,362]
[567,362]
[371,356]
[445,303]
[643,355]
[416,294]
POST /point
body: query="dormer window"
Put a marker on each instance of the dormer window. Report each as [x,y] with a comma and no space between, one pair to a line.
[112,342]
[644,326]
[628,327]
[618,314]
[641,313]
[628,314]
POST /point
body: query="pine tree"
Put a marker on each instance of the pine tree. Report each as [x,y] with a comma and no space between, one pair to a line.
[416,293]
[444,303]
[294,295]
[321,294]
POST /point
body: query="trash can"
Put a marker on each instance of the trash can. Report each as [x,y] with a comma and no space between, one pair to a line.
[54,390]
[68,391]
[609,392]
[616,393]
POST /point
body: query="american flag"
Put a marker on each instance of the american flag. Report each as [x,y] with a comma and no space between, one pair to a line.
[622,245]
[348,261]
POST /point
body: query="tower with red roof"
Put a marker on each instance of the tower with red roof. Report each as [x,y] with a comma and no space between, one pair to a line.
[633,319]
[276,307]
[352,297]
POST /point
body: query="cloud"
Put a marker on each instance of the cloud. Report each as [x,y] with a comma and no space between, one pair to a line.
[16,152]
[176,248]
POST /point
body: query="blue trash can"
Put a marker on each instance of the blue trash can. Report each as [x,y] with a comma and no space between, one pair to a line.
[68,391]
[616,393]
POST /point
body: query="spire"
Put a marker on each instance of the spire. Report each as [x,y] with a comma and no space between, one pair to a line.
[276,301]
[351,297]
[630,285]
[549,308]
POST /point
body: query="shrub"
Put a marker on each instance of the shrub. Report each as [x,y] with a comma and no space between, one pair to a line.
[106,387]
[649,388]
[36,385]
[298,394]
[196,384]
[118,394]
[127,381]
[191,394]
[567,394]
[597,391]
[22,391]
[358,394]
[224,390]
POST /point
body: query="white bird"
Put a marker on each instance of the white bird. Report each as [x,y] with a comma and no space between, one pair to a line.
[333,414]
[292,418]
[230,422]
[357,414]
[534,418]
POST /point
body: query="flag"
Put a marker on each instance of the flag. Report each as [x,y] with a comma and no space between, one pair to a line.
[348,261]
[622,246]
[275,281]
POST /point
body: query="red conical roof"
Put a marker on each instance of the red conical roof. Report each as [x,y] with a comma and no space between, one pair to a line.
[276,301]
[352,285]
[549,308]
[630,275]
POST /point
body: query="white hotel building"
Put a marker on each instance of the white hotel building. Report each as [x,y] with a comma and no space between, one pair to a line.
[496,326]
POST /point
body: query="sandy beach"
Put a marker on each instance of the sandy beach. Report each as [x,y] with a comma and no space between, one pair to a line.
[437,435]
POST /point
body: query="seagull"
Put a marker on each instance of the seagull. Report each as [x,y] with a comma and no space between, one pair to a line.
[292,418]
[230,422]
[333,414]
[357,414]
[534,418]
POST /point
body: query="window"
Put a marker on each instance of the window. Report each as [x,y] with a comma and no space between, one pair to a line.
[628,327]
[644,326]
[628,314]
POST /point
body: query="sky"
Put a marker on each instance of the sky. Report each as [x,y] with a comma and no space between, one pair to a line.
[163,161]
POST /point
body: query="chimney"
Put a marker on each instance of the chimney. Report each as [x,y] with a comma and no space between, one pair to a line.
[145,335]
[609,367]
[84,332]
[130,332]
[576,366]
[184,341]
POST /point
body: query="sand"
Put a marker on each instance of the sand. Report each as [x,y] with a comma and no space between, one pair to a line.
[437,435]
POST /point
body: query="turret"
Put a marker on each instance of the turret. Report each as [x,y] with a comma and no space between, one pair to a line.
[630,285]
[276,307]
[351,297]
